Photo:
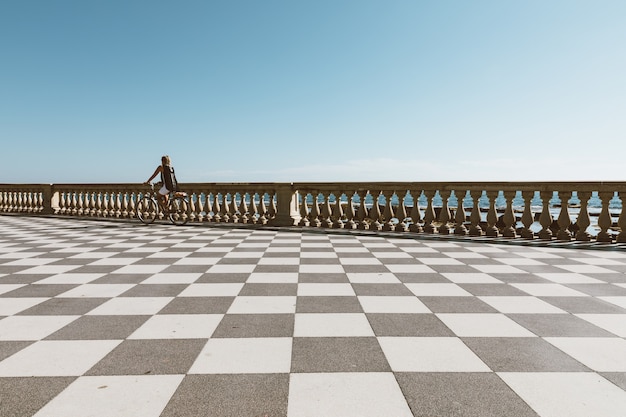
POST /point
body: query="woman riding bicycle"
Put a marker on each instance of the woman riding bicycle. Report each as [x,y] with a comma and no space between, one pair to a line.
[168,179]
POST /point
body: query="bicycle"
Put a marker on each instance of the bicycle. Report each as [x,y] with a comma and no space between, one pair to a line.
[149,207]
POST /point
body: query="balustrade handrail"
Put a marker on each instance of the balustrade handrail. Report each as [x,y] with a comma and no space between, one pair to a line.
[516,210]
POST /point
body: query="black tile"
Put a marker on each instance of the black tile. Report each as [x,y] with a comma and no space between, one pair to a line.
[230,395]
[338,354]
[255,325]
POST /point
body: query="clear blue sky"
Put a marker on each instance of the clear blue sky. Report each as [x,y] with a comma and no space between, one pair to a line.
[96,91]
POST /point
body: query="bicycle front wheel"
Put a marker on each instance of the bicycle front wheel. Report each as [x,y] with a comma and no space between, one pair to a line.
[147,210]
[179,213]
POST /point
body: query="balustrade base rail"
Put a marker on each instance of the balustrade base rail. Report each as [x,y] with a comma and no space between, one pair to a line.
[549,211]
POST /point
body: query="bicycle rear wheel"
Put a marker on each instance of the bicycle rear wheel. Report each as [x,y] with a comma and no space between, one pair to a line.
[147,210]
[179,213]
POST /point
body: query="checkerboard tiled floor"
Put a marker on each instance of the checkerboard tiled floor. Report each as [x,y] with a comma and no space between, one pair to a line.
[102,319]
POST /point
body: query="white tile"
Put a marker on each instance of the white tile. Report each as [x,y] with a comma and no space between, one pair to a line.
[471,278]
[172,278]
[602,354]
[247,255]
[197,261]
[440,261]
[97,291]
[49,269]
[321,269]
[114,261]
[132,395]
[332,289]
[328,255]
[430,354]
[212,290]
[70,278]
[273,277]
[94,255]
[586,269]
[437,290]
[133,306]
[4,288]
[617,300]
[32,262]
[519,261]
[168,255]
[140,269]
[332,325]
[10,306]
[392,304]
[390,255]
[568,278]
[598,261]
[498,269]
[56,358]
[32,327]
[465,255]
[244,356]
[614,323]
[567,394]
[418,249]
[521,305]
[283,249]
[279,261]
[483,325]
[231,269]
[178,326]
[409,268]
[549,290]
[359,261]
[373,278]
[263,305]
[362,394]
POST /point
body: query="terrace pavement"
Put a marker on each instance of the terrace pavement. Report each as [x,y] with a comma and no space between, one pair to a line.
[117,319]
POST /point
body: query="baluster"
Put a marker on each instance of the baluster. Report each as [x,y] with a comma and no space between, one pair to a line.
[235,215]
[429,214]
[350,214]
[338,212]
[125,205]
[416,215]
[375,214]
[444,216]
[316,212]
[388,213]
[225,207]
[546,218]
[509,219]
[621,222]
[326,210]
[29,203]
[252,209]
[604,221]
[110,204]
[475,229]
[492,216]
[527,216]
[401,214]
[272,210]
[564,221]
[208,206]
[460,217]
[362,214]
[118,204]
[243,209]
[583,221]
[304,210]
[217,208]
[262,209]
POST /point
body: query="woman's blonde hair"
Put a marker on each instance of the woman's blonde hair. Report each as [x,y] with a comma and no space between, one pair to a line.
[165,160]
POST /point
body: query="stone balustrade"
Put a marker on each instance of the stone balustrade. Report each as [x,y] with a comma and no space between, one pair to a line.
[563,211]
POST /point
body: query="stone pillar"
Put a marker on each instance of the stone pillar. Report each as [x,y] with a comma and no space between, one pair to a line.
[287,210]
[50,199]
